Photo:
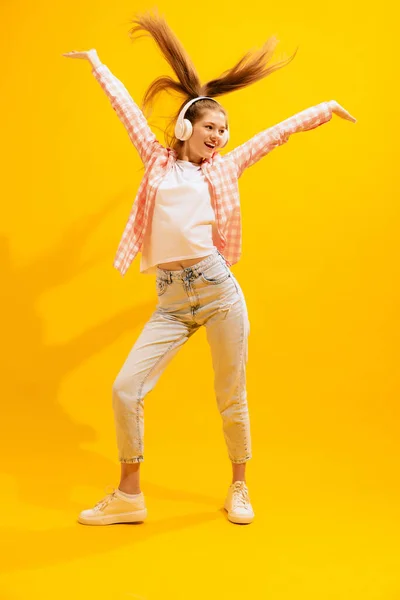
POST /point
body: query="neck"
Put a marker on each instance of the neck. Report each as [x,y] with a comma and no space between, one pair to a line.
[184,154]
[188,158]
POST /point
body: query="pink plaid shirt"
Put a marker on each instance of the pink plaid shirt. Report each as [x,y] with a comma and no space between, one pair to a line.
[222,172]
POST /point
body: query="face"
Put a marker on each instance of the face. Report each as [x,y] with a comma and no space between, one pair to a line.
[207,135]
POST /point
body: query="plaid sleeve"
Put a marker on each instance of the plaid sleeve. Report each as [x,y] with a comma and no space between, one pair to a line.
[260,145]
[128,112]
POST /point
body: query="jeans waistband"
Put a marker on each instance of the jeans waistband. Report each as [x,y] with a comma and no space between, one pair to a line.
[191,272]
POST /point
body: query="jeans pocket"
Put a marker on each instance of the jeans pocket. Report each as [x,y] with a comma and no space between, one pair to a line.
[161,286]
[216,273]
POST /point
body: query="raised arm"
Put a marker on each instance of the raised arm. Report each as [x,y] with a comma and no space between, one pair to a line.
[260,145]
[127,110]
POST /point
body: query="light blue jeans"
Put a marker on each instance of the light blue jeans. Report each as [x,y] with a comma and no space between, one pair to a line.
[208,294]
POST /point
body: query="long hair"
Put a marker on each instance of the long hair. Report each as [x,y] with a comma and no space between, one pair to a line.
[251,68]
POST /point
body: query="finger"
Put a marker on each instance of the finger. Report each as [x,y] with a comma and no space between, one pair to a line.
[346,114]
[349,117]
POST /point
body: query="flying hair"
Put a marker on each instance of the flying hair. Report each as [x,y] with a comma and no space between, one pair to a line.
[252,67]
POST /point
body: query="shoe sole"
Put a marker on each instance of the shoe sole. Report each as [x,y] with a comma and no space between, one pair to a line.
[240,520]
[134,517]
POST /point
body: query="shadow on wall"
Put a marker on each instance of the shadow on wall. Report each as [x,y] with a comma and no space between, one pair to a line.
[33,425]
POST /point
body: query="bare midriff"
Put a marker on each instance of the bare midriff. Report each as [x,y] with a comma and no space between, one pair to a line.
[181,264]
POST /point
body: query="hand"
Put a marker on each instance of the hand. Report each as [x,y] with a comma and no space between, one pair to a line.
[90,55]
[341,112]
[86,54]
[74,54]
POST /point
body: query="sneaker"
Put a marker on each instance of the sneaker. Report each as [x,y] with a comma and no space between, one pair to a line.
[115,508]
[237,503]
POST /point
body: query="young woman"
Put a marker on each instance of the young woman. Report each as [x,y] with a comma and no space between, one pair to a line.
[186,223]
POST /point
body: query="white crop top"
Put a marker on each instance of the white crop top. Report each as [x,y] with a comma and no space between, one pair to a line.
[183,221]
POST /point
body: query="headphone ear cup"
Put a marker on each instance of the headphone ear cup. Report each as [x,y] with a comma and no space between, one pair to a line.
[178,129]
[225,139]
[183,130]
[187,130]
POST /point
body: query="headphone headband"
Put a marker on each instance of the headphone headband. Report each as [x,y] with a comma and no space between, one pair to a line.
[184,109]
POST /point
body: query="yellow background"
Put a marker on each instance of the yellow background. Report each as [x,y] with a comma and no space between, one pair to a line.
[320,273]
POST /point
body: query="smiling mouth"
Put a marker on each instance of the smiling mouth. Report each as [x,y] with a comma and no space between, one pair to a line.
[209,146]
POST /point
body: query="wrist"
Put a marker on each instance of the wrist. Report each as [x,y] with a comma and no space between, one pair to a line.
[94,59]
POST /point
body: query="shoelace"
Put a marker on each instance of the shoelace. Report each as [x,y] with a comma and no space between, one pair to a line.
[240,498]
[105,501]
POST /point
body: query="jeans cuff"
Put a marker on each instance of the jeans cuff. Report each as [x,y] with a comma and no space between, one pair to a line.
[239,461]
[135,459]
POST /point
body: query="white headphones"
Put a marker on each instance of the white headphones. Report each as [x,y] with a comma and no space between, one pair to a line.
[183,127]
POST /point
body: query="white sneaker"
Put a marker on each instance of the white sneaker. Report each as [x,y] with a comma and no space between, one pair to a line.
[115,508]
[237,503]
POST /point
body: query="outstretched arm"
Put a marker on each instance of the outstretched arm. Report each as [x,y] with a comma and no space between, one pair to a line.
[127,110]
[260,145]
